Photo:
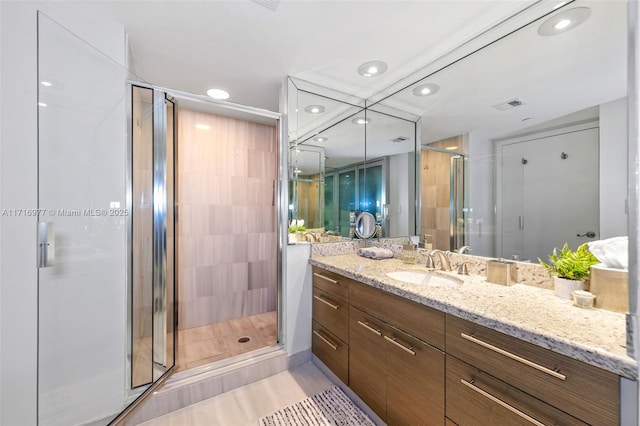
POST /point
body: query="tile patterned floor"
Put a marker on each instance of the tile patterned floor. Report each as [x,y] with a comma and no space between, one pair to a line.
[213,342]
[245,405]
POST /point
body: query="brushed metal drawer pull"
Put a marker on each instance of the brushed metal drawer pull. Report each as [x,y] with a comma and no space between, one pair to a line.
[515,357]
[400,345]
[501,403]
[368,327]
[325,278]
[326,302]
[327,341]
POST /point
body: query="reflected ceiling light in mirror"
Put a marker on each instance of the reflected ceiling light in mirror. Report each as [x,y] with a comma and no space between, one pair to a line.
[372,68]
[203,127]
[564,21]
[426,89]
[314,109]
[46,83]
[451,148]
[297,171]
[218,94]
[42,104]
[320,139]
[361,120]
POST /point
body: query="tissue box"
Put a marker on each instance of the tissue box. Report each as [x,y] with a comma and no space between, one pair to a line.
[501,272]
[610,287]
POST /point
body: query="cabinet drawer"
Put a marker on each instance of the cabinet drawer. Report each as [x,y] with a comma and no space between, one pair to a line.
[418,320]
[476,398]
[415,380]
[331,282]
[584,391]
[330,350]
[332,313]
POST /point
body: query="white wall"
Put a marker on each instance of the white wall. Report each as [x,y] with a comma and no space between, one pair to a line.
[401,194]
[18,189]
[613,168]
[297,298]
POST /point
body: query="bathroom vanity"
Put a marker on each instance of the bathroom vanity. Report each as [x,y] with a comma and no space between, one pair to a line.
[469,354]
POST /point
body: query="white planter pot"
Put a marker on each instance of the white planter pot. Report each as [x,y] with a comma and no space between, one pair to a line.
[563,287]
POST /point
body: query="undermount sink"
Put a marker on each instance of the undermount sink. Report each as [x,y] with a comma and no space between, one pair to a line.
[422,278]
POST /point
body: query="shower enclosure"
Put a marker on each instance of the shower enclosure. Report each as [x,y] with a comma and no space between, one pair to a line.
[105,214]
[106,224]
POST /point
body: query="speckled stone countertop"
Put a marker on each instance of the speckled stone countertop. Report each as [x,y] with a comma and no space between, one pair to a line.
[535,315]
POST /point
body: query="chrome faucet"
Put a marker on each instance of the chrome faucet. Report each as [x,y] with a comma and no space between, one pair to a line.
[444,259]
[430,264]
[462,268]
[313,237]
[464,250]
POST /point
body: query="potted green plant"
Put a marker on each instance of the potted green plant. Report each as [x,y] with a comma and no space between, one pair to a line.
[570,269]
[295,231]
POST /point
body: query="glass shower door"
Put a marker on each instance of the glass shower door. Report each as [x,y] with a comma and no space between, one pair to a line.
[84,219]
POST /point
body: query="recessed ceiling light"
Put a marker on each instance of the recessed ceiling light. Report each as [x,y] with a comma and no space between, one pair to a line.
[203,127]
[42,104]
[46,83]
[320,139]
[564,21]
[361,120]
[218,94]
[372,68]
[451,148]
[314,109]
[426,89]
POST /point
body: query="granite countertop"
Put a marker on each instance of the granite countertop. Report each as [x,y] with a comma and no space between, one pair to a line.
[535,315]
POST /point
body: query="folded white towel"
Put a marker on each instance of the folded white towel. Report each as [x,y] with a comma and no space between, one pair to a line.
[375,253]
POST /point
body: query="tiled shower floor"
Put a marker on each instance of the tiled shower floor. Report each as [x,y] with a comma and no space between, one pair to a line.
[214,342]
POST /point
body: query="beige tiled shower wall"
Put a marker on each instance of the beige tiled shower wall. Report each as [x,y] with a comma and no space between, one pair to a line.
[435,192]
[226,218]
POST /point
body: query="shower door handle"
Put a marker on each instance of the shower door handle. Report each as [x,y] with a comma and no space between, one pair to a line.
[46,245]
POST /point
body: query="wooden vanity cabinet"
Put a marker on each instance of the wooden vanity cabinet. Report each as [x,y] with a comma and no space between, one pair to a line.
[499,371]
[479,399]
[398,375]
[367,361]
[330,324]
[391,353]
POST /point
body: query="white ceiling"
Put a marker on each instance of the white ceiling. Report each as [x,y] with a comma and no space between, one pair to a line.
[567,75]
[248,49]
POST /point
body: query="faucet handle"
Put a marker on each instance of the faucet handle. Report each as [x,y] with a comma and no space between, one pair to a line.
[462,268]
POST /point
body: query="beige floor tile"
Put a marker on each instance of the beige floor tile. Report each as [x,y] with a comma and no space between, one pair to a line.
[214,342]
[245,405]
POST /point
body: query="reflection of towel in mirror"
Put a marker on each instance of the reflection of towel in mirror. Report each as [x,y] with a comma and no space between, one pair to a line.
[375,253]
[612,252]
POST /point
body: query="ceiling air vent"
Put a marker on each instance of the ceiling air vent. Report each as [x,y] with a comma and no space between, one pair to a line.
[503,106]
[400,139]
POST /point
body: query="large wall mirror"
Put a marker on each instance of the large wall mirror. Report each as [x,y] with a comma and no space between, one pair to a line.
[345,160]
[522,143]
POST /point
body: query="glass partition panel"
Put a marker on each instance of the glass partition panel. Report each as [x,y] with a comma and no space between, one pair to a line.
[82,283]
[94,358]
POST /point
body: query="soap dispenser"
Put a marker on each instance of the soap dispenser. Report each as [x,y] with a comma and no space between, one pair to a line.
[409,253]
